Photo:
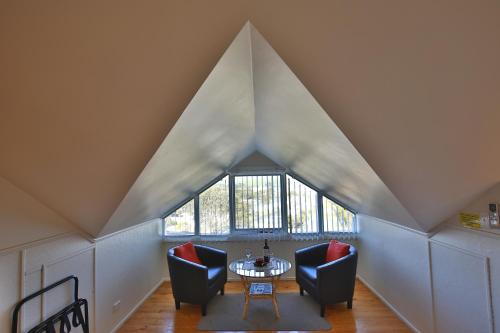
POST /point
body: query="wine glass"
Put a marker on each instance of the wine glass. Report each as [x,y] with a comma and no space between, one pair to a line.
[271,259]
[248,254]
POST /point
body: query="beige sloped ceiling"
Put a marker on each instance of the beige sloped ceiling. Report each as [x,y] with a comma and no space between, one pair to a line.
[215,132]
[293,129]
[90,89]
[32,220]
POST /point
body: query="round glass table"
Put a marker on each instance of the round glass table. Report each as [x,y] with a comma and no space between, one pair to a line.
[260,282]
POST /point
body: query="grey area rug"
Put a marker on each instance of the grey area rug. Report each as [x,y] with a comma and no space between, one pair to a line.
[298,313]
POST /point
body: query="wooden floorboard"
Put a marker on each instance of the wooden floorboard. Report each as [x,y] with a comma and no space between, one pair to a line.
[158,315]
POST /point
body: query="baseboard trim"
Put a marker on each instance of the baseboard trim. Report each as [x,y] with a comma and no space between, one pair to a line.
[389,305]
[134,309]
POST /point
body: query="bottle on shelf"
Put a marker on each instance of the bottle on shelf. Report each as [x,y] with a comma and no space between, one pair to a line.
[266,252]
[493,215]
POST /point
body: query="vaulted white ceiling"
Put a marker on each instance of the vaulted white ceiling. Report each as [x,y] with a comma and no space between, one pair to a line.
[252,100]
[216,130]
[90,90]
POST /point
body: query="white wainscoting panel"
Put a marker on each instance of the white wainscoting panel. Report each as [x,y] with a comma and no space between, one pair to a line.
[394,261]
[55,250]
[10,272]
[462,298]
[128,267]
[485,244]
[81,265]
[32,311]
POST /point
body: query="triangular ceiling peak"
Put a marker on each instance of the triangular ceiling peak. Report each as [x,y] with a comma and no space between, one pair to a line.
[253,101]
[256,162]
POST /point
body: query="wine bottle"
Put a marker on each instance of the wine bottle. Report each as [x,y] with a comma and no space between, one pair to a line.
[266,252]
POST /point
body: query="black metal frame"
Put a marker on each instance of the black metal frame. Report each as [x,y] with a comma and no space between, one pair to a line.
[61,317]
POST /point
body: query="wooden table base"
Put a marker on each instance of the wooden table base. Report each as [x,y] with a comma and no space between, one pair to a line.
[247,282]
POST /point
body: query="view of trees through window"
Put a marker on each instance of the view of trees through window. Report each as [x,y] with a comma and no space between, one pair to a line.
[302,207]
[214,209]
[181,222]
[336,218]
[257,202]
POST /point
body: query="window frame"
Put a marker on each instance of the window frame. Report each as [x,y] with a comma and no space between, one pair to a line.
[284,207]
[177,207]
[197,207]
[196,197]
[318,219]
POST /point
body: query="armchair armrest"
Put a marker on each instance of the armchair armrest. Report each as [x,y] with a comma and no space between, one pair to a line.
[336,279]
[336,265]
[211,257]
[187,277]
[312,256]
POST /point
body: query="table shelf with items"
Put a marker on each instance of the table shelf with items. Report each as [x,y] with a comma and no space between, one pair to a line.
[259,282]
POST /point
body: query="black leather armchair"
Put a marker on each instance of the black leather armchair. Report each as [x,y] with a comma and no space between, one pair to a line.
[328,283]
[194,283]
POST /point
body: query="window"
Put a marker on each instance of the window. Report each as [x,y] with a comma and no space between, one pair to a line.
[302,207]
[257,202]
[277,203]
[336,218]
[214,209]
[181,222]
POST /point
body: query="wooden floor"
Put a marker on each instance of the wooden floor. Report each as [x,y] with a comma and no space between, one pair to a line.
[369,314]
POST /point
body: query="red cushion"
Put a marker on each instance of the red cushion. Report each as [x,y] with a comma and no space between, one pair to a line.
[336,250]
[187,252]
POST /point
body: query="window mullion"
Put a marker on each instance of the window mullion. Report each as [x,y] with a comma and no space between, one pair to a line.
[197,215]
[232,204]
[273,209]
[321,226]
[268,200]
[259,203]
[253,204]
[163,227]
[284,199]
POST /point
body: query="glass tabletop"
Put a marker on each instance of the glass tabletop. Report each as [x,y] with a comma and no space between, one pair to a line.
[246,268]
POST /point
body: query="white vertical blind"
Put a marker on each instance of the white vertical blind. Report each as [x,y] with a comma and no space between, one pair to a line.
[257,202]
[302,207]
[256,211]
[336,218]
